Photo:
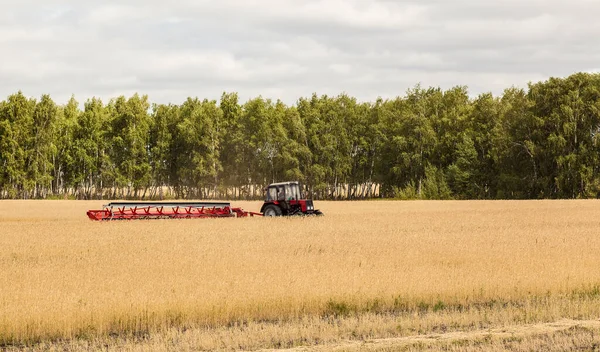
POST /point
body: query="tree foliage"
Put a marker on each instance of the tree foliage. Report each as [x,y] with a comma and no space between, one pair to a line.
[540,142]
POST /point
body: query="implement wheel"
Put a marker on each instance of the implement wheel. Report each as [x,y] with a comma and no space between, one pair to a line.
[272,210]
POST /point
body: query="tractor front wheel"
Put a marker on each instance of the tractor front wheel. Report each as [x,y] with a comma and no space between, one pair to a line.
[272,210]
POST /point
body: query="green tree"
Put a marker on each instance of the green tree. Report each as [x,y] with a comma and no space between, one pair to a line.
[410,141]
[17,130]
[518,151]
[473,175]
[199,131]
[129,141]
[296,156]
[232,157]
[88,165]
[162,158]
[63,138]
[571,112]
[326,120]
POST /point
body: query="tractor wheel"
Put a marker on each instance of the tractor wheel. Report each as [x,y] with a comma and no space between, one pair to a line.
[272,210]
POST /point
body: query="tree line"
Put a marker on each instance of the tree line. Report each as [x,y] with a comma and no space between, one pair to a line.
[539,142]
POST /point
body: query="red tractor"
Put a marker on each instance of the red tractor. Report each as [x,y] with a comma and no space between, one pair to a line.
[282,199]
[285,199]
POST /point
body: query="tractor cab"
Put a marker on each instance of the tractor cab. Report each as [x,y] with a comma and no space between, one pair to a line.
[285,199]
[283,191]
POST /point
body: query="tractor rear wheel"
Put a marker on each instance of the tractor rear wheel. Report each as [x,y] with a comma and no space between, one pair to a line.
[272,210]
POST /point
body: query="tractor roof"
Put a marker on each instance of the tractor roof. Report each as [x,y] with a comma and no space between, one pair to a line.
[284,183]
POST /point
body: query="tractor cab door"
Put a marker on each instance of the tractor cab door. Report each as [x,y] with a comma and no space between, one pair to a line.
[283,198]
[280,193]
[293,192]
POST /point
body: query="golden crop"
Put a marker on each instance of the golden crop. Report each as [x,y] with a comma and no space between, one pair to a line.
[64,276]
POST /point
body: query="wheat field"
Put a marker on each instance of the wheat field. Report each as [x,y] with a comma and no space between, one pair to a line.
[375,269]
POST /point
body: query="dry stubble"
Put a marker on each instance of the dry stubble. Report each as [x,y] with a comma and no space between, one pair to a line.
[416,266]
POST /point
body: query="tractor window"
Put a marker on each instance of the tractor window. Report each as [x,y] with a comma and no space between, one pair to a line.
[294,192]
[271,193]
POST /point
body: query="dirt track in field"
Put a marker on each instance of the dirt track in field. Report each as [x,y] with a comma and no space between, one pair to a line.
[516,331]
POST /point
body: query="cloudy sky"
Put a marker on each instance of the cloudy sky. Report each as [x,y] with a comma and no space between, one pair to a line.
[287,49]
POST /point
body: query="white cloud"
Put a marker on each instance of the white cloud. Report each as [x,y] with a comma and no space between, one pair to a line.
[113,14]
[341,68]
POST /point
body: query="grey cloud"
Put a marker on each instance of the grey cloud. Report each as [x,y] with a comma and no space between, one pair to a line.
[287,49]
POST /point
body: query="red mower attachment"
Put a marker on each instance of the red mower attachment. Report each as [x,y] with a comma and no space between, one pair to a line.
[162,210]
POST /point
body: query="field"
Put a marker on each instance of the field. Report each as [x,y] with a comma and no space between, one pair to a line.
[377,275]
